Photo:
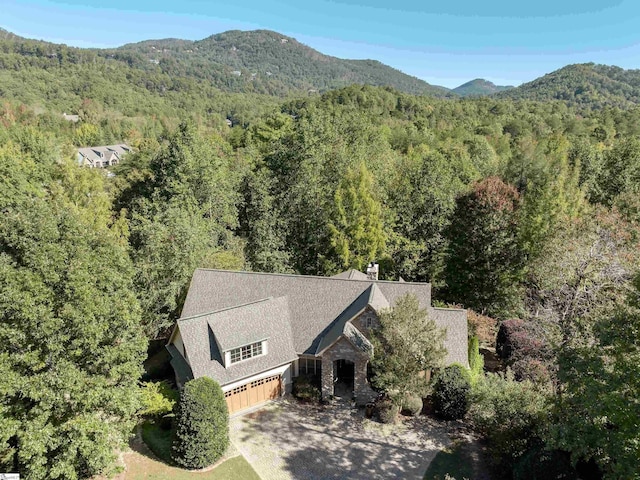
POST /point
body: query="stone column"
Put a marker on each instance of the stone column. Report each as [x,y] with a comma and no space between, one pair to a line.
[360,376]
[327,377]
[361,388]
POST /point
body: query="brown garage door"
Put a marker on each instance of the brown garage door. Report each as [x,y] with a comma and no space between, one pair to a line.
[253,393]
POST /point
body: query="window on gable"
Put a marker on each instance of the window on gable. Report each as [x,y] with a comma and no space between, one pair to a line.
[246,352]
[368,321]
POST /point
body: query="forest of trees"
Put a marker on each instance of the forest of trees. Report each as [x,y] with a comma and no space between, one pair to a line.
[515,209]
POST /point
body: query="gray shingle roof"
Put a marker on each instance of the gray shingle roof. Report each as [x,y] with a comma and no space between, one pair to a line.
[455,321]
[352,274]
[357,338]
[103,152]
[314,302]
[242,325]
[207,336]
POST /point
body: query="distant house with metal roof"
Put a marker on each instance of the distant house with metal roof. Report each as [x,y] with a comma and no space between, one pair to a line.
[255,332]
[102,157]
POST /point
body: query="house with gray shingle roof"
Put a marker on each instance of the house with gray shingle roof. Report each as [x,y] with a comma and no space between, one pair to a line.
[254,332]
[102,157]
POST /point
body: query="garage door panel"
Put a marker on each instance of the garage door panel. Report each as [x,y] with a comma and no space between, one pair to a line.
[253,393]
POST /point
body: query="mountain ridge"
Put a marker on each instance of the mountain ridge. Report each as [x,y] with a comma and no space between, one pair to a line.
[480,87]
[586,85]
[272,62]
[265,62]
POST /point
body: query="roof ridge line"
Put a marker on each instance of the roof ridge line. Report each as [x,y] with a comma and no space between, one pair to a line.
[312,276]
[230,308]
[454,309]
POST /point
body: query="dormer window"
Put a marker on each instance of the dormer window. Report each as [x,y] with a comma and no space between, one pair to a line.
[246,352]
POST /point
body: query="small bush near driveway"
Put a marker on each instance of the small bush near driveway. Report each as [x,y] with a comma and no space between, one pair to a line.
[387,410]
[411,405]
[451,392]
[202,428]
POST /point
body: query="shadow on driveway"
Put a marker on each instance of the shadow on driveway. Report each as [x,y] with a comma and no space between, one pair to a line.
[289,440]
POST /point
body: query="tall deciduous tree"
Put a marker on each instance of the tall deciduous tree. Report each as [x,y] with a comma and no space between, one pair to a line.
[263,226]
[406,346]
[621,170]
[580,274]
[71,346]
[423,197]
[182,207]
[551,197]
[485,261]
[600,405]
[356,229]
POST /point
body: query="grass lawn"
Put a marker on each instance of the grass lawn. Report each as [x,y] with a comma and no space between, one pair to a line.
[158,440]
[141,465]
[454,461]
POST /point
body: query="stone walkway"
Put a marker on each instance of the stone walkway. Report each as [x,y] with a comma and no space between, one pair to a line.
[289,440]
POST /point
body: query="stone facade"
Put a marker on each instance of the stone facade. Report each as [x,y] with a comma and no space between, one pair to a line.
[366,321]
[344,350]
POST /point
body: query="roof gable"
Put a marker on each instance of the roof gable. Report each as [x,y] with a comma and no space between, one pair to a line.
[371,297]
[245,324]
[206,337]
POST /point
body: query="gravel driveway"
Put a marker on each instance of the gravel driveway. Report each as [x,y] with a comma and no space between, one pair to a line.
[288,440]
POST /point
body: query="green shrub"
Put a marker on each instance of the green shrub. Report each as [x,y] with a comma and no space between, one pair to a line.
[306,387]
[202,429]
[387,410]
[511,415]
[541,464]
[158,399]
[451,392]
[411,405]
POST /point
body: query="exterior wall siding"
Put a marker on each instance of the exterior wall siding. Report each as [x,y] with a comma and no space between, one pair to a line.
[177,341]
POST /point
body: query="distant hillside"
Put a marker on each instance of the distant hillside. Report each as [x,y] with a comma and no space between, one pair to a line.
[94,84]
[7,35]
[585,85]
[479,87]
[264,62]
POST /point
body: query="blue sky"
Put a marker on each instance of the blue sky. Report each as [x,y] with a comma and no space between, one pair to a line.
[447,43]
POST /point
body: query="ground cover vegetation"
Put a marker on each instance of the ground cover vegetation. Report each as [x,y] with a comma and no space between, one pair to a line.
[525,211]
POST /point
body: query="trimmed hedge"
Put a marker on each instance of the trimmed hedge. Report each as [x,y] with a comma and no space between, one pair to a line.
[452,392]
[517,339]
[202,430]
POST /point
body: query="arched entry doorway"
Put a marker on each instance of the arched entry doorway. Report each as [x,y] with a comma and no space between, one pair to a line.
[343,378]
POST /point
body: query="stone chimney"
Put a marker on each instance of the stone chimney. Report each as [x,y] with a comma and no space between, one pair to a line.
[372,271]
